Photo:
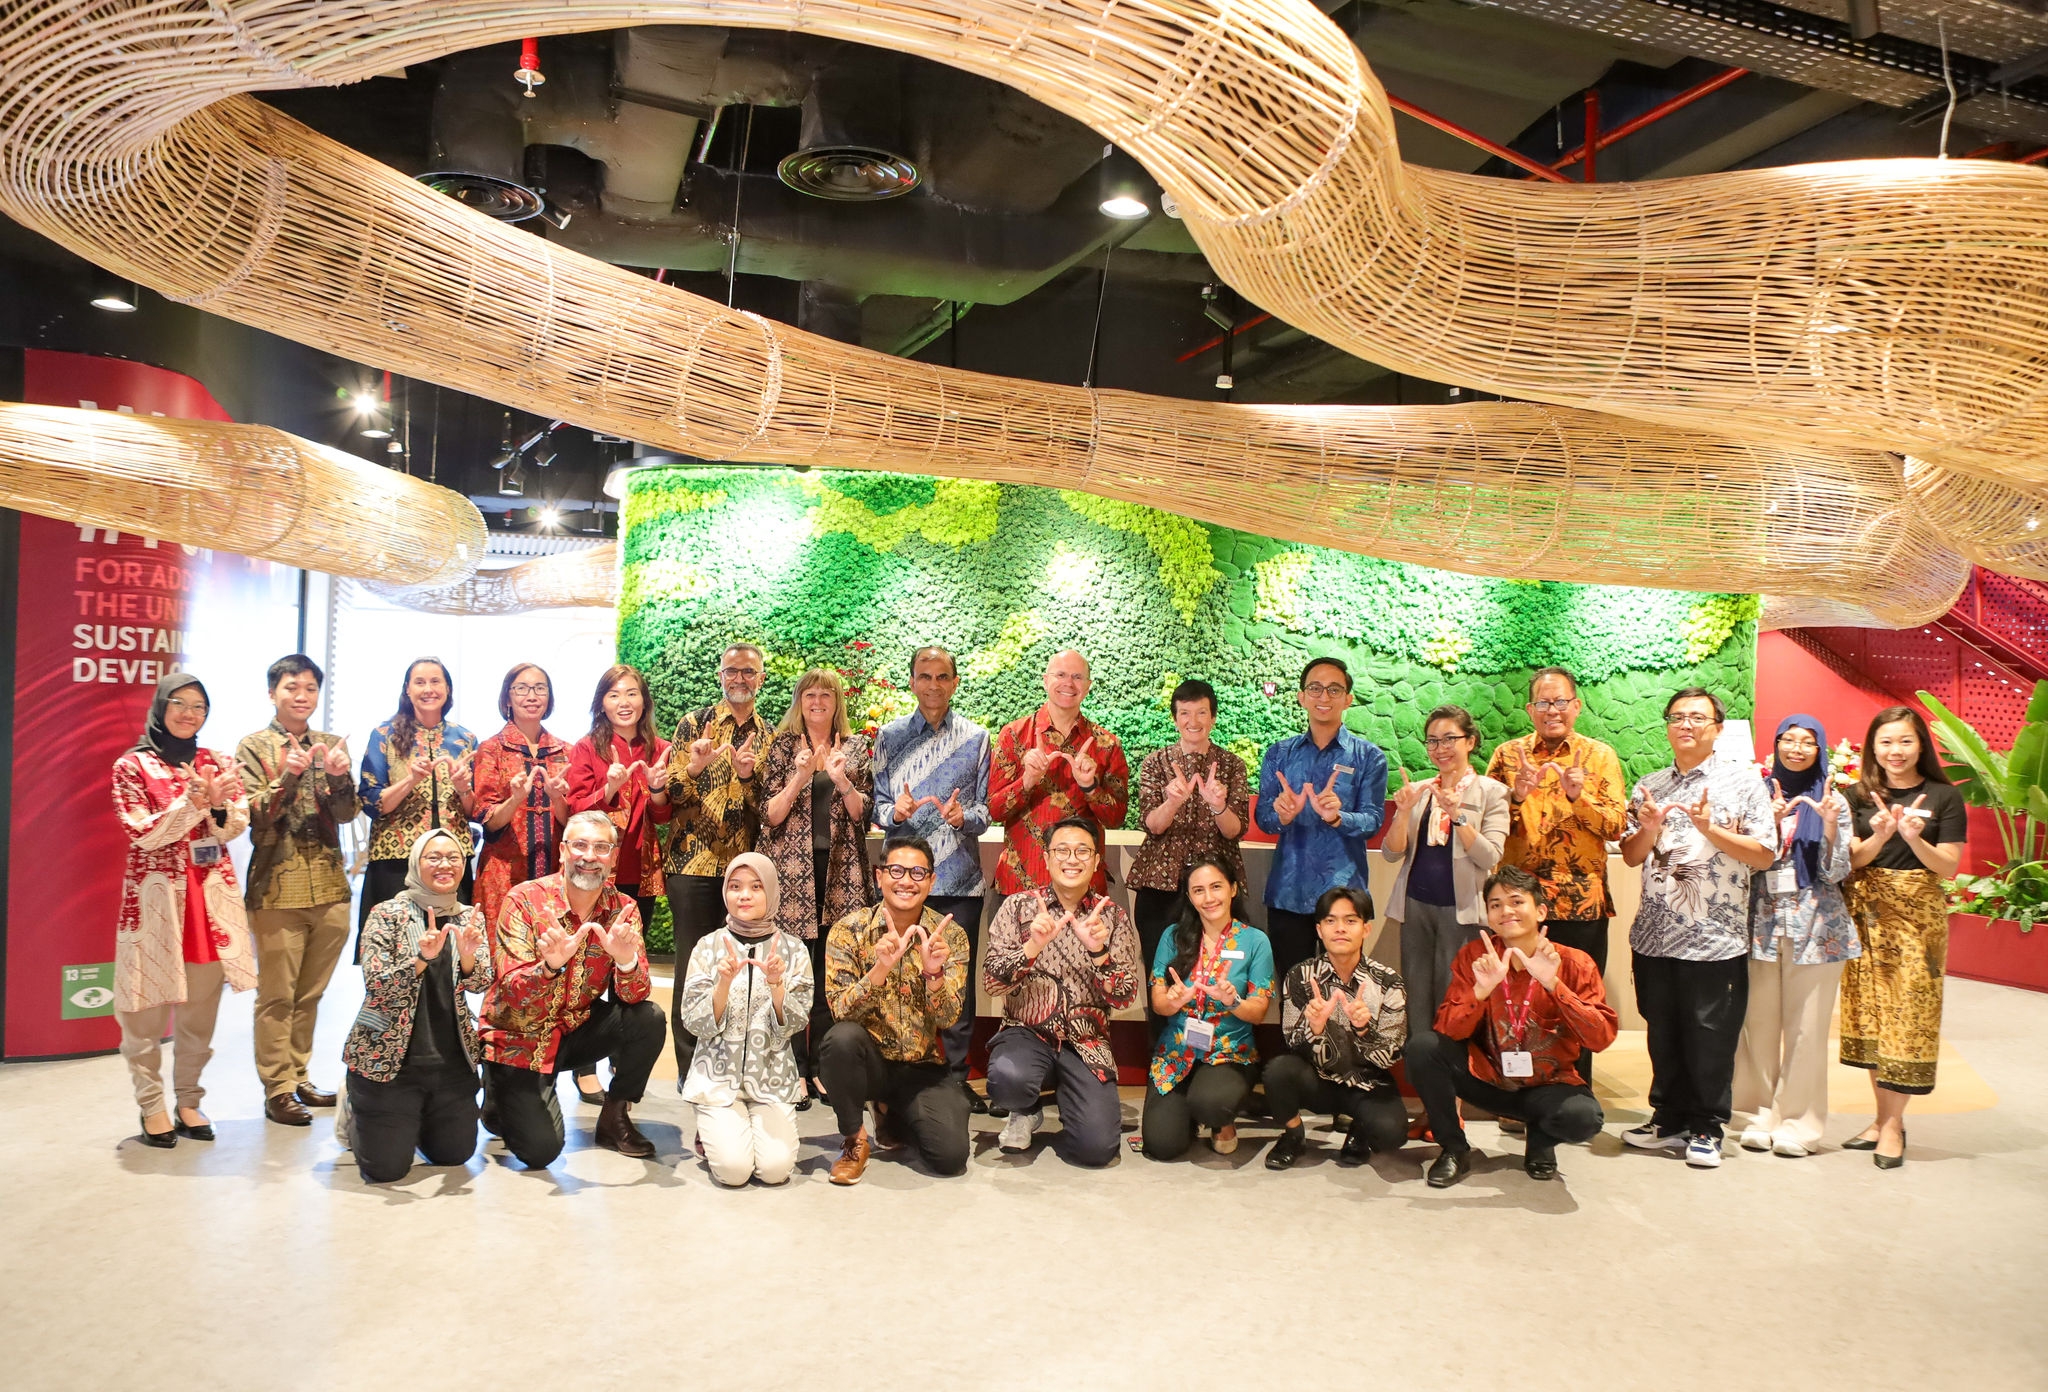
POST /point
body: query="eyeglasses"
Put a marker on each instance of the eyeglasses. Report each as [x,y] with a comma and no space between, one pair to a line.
[1325,689]
[1071,855]
[593,848]
[1691,720]
[1546,707]
[1066,676]
[752,674]
[916,874]
[1443,741]
[190,707]
[448,861]
[530,689]
[1797,744]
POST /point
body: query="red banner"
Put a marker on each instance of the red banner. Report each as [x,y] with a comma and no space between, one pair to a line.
[101,616]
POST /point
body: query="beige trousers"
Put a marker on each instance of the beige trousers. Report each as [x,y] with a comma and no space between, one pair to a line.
[142,1040]
[748,1140]
[296,950]
[1781,1065]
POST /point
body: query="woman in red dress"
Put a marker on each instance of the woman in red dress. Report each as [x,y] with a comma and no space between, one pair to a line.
[522,792]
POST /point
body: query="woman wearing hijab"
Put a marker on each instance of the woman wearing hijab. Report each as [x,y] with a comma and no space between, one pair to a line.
[412,1055]
[1800,934]
[746,994]
[182,929]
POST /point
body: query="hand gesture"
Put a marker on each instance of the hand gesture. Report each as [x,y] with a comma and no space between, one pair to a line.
[1912,820]
[1701,813]
[1092,931]
[953,812]
[1328,805]
[1777,801]
[744,758]
[800,767]
[520,783]
[1288,803]
[932,952]
[773,969]
[1542,962]
[1317,1011]
[558,786]
[1829,807]
[469,935]
[335,761]
[1573,780]
[1528,774]
[1178,993]
[620,940]
[1084,765]
[559,944]
[1044,929]
[1650,817]
[1359,1012]
[227,786]
[906,805]
[1489,968]
[420,767]
[297,761]
[1036,762]
[889,949]
[1179,788]
[1408,794]
[729,963]
[702,750]
[1222,991]
[615,778]
[1214,795]
[835,769]
[198,788]
[433,938]
[459,774]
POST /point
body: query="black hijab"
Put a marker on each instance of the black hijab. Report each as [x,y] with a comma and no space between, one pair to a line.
[156,737]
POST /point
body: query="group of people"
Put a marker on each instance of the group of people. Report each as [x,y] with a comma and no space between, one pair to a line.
[807,969]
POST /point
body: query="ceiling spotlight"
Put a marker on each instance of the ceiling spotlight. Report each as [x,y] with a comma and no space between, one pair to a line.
[550,516]
[545,455]
[1121,193]
[368,402]
[512,483]
[394,448]
[377,432]
[116,296]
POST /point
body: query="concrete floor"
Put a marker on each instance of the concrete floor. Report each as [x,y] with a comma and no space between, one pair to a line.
[263,1262]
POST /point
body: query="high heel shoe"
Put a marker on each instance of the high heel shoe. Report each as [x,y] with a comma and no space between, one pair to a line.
[1860,1143]
[1892,1162]
[162,1140]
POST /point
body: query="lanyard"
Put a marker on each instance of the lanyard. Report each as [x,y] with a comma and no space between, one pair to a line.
[1518,1019]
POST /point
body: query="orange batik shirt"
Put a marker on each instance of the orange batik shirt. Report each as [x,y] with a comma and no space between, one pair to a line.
[1561,842]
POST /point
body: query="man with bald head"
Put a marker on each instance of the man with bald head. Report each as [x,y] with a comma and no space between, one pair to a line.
[1054,764]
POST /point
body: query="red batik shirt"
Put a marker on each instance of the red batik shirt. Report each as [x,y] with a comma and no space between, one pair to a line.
[525,847]
[529,1008]
[1027,814]
[1560,1022]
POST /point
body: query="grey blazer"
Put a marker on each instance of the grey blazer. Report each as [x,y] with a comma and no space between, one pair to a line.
[1486,805]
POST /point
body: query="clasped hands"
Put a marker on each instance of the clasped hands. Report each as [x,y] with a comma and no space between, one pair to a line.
[621,940]
[1358,1013]
[332,761]
[950,809]
[1288,804]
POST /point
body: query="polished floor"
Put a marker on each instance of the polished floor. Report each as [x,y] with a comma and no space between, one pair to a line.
[263,1262]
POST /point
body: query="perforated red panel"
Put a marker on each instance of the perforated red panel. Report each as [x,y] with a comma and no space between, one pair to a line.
[1961,675]
[2015,609]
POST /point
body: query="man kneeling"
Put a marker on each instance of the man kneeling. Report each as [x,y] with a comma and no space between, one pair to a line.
[561,940]
[895,976]
[1509,1032]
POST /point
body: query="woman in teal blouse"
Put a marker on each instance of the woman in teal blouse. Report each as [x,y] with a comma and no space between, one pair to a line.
[1211,980]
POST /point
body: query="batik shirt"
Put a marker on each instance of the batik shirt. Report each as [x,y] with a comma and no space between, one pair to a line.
[907,1012]
[433,803]
[1063,997]
[1166,855]
[939,762]
[294,822]
[1244,957]
[1562,842]
[1313,855]
[715,814]
[1552,1026]
[529,1006]
[1814,920]
[1695,898]
[1346,1056]
[1027,814]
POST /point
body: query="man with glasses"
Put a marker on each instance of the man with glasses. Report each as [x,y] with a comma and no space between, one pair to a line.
[931,782]
[895,977]
[1322,794]
[1699,829]
[1052,765]
[1063,958]
[561,941]
[1566,801]
[714,810]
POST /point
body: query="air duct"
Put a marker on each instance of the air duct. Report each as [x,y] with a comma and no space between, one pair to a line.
[853,126]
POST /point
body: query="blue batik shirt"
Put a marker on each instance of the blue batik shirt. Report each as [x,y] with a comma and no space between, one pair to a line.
[937,761]
[1313,855]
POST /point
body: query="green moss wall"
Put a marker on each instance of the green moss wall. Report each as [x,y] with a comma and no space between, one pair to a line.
[813,565]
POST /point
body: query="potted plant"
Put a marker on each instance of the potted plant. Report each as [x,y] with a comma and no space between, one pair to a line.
[1995,913]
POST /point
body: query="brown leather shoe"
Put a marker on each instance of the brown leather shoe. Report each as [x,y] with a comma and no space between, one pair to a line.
[853,1158]
[284,1109]
[888,1135]
[314,1097]
[616,1131]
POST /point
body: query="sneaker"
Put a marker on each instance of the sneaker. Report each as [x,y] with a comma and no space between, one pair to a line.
[1756,1138]
[1789,1148]
[1017,1131]
[1649,1137]
[1703,1152]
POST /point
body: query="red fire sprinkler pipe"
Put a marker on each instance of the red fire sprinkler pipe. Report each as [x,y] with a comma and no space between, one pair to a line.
[1592,129]
[1655,114]
[2036,157]
[1217,342]
[1475,139]
[529,74]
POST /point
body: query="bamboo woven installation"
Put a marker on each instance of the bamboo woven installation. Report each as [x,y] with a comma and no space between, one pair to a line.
[1825,315]
[588,579]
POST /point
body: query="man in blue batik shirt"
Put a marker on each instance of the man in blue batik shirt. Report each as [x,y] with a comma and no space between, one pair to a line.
[931,780]
[1323,794]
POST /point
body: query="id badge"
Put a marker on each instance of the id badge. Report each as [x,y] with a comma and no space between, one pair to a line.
[1785,880]
[1232,954]
[1200,1035]
[1517,1063]
[207,852]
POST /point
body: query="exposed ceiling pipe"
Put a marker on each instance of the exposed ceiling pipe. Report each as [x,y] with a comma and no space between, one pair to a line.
[1497,150]
[1653,115]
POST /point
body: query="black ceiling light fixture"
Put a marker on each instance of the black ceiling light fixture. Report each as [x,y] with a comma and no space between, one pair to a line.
[1123,190]
[115,295]
[512,483]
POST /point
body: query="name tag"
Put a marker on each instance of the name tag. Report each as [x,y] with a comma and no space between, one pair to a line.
[1343,768]
[1200,1035]
[1232,954]
[1517,1063]
[1785,880]
[207,852]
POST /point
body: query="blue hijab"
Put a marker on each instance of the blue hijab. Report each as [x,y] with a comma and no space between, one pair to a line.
[1809,834]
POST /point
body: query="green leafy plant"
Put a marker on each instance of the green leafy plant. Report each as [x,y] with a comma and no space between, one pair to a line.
[2013,786]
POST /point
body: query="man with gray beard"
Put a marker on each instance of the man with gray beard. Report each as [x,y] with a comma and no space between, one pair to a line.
[560,941]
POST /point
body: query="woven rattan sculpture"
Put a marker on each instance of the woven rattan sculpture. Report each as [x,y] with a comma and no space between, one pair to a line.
[576,578]
[1820,313]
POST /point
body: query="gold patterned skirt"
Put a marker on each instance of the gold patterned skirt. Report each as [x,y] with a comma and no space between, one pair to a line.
[1891,995]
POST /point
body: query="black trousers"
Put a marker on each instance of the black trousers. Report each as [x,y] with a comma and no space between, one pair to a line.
[1153,912]
[1293,1086]
[529,1113]
[1439,1070]
[429,1110]
[1293,936]
[921,1097]
[1693,1014]
[1588,935]
[385,879]
[646,908]
[696,906]
[1209,1095]
[959,1036]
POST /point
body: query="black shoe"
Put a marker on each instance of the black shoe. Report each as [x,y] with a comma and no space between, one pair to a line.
[1891,1162]
[202,1132]
[1540,1164]
[1293,1140]
[162,1140]
[977,1105]
[998,1112]
[1355,1151]
[590,1099]
[804,1103]
[1450,1167]
[1860,1143]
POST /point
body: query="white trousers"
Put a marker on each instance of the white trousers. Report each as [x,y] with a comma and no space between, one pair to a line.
[748,1140]
[1781,1065]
